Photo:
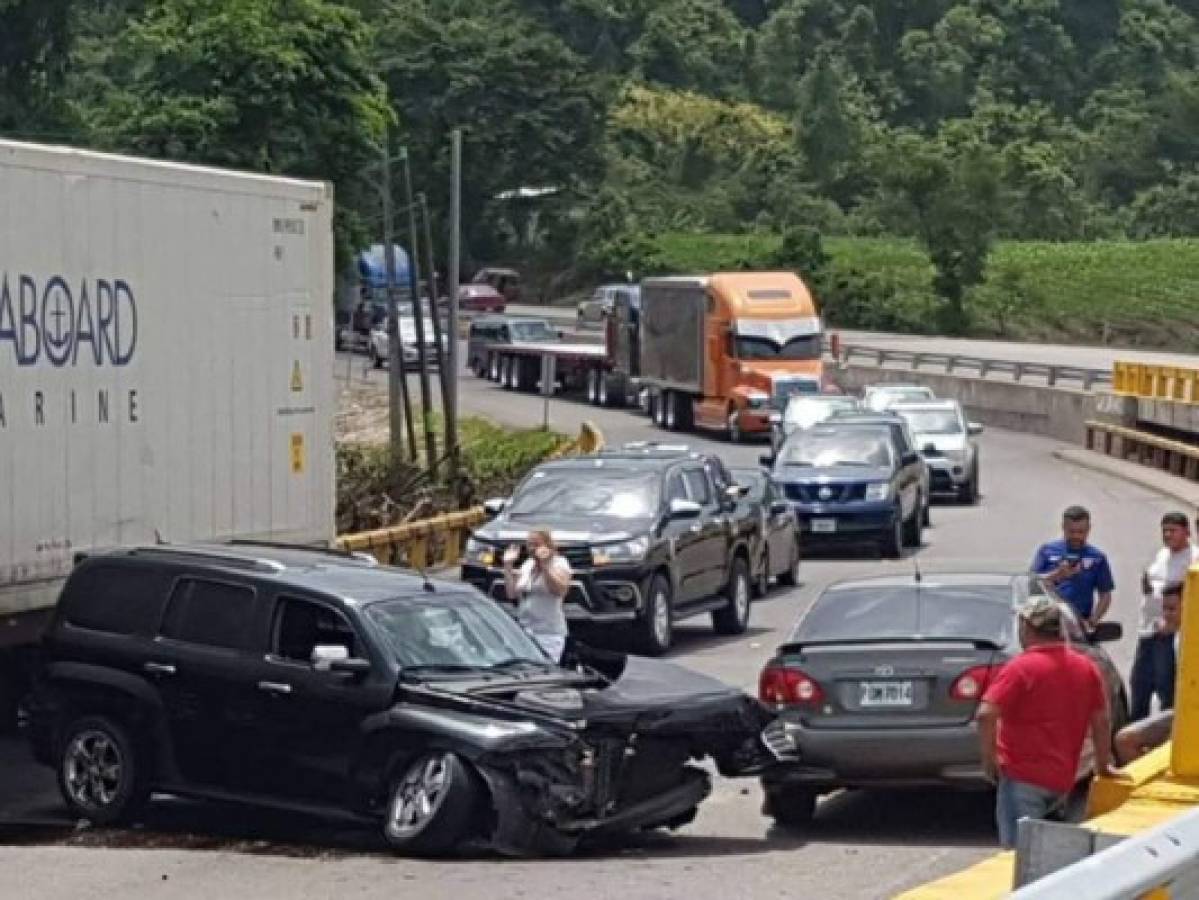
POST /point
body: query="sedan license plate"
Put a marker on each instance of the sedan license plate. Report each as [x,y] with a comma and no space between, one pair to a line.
[886,693]
[824,526]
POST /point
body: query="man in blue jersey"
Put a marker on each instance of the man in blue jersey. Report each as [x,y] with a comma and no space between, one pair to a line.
[1077,570]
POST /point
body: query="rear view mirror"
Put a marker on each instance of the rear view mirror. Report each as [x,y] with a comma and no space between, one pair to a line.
[684,509]
[495,505]
[929,450]
[1107,633]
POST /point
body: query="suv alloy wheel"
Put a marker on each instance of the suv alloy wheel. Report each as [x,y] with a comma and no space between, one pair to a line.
[891,542]
[432,804]
[99,773]
[733,618]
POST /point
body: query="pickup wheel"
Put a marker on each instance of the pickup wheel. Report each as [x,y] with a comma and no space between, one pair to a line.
[433,803]
[913,530]
[100,771]
[655,628]
[733,618]
[891,543]
[790,807]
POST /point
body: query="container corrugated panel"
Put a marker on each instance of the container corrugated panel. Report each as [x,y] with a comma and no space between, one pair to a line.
[165,359]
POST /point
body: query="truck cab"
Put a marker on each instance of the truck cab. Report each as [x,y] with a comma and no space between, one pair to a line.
[723,351]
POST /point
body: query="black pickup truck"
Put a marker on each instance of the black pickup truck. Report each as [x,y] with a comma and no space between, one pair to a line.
[653,535]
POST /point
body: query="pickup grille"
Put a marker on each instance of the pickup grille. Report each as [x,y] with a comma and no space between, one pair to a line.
[837,493]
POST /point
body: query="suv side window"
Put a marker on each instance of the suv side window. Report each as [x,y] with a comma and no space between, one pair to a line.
[212,613]
[115,599]
[698,486]
[300,625]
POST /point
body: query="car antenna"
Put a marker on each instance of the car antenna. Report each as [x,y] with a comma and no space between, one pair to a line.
[428,585]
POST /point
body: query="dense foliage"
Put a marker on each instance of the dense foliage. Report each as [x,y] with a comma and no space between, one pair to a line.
[956,123]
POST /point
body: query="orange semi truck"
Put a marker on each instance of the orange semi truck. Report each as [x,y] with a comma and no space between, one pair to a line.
[723,351]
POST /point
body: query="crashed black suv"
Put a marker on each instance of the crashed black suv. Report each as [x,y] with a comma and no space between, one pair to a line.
[311,681]
[653,533]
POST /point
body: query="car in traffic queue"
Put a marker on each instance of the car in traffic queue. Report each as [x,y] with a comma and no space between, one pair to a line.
[773,529]
[481,298]
[904,439]
[487,331]
[506,282]
[593,311]
[879,397]
[380,344]
[319,682]
[947,441]
[805,410]
[652,534]
[880,682]
[855,479]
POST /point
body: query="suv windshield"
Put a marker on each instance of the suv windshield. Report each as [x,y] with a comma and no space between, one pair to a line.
[933,421]
[619,494]
[452,632]
[532,331]
[806,347]
[849,447]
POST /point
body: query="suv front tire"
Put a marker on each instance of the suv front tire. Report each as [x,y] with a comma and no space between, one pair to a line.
[101,773]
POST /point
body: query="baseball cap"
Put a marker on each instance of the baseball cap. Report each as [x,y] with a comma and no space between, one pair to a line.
[1043,614]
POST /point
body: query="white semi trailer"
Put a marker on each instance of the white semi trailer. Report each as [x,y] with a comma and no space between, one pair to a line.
[166,342]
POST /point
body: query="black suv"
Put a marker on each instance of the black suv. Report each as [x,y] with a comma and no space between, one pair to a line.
[316,682]
[653,534]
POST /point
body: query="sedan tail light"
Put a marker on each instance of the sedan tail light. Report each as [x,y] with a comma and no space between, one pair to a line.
[786,686]
[970,686]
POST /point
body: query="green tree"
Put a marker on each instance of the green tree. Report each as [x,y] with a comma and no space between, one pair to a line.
[279,86]
[692,45]
[531,109]
[1167,210]
[833,128]
[35,36]
[952,199]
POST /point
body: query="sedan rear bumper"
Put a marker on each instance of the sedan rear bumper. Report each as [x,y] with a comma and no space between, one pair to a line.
[832,758]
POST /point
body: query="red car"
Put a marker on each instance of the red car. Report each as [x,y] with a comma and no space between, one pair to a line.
[481,298]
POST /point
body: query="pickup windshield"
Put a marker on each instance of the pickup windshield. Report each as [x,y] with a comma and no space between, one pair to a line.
[587,492]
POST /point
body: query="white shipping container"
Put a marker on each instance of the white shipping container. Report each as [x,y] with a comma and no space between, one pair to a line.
[166,349]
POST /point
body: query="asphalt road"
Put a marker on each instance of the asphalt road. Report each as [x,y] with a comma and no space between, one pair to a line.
[1059,354]
[864,845]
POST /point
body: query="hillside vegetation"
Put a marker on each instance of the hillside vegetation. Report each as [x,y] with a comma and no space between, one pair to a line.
[937,129]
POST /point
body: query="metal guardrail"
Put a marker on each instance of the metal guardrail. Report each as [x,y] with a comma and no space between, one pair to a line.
[413,543]
[1150,382]
[1160,862]
[953,362]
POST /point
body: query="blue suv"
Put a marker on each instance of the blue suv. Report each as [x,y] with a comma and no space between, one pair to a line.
[855,481]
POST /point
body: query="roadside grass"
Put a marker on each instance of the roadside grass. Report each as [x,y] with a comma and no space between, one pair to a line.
[1141,293]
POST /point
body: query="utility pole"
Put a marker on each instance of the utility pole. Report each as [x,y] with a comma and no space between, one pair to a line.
[451,411]
[399,407]
[418,320]
[431,268]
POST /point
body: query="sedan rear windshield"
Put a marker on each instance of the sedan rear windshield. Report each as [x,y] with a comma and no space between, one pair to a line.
[615,493]
[937,612]
[843,447]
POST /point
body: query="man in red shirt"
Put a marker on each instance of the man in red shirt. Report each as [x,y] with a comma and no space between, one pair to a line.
[1034,718]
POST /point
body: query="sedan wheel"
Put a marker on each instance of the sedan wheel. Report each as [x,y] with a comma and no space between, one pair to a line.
[733,618]
[432,805]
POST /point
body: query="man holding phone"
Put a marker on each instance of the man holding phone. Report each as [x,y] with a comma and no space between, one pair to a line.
[1077,570]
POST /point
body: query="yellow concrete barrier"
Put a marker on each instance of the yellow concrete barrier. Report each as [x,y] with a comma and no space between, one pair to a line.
[1156,788]
[412,543]
[1150,382]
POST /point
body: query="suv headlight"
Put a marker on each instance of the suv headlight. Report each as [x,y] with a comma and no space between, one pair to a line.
[626,552]
[479,553]
[878,491]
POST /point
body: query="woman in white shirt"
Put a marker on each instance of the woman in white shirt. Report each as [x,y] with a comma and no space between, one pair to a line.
[539,587]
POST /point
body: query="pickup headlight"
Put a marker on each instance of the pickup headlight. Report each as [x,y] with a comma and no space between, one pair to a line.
[626,552]
[878,491]
[479,553]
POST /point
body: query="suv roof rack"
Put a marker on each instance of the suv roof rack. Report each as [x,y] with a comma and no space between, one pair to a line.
[231,560]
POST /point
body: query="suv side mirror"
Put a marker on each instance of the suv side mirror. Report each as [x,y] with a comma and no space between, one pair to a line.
[767,460]
[1107,633]
[910,458]
[684,509]
[495,505]
[336,658]
[974,428]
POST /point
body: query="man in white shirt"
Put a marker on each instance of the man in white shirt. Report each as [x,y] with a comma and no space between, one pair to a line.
[1153,666]
[1135,740]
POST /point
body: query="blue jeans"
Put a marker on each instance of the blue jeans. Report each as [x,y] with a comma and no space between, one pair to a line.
[1153,672]
[1016,800]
